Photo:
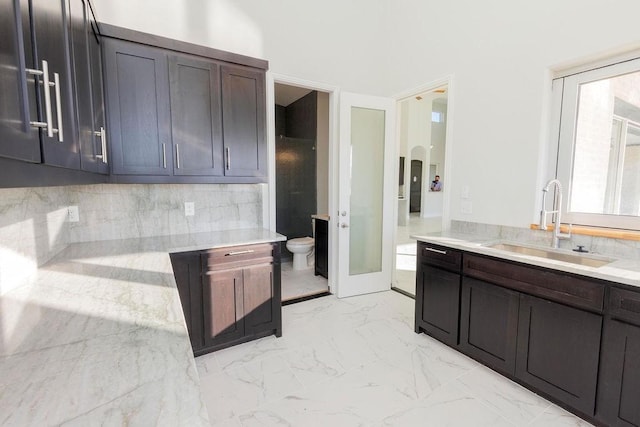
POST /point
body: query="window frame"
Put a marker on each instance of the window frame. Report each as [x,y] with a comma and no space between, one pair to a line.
[565,91]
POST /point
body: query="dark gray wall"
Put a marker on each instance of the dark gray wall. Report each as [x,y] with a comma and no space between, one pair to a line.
[302,117]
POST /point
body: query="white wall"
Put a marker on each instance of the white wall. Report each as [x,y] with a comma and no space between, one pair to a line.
[498,51]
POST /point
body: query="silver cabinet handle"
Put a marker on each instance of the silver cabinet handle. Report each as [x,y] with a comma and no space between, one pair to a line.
[103,143]
[248,251]
[178,155]
[47,100]
[438,251]
[56,78]
[164,156]
[228,158]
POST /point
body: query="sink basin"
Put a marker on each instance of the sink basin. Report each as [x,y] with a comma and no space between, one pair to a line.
[574,258]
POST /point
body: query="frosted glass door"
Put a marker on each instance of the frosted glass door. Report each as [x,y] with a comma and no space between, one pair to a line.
[366,186]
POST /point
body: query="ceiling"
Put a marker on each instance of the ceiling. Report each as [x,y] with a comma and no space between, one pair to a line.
[285,94]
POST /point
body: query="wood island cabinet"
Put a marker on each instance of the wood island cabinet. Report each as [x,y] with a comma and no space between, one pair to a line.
[229,295]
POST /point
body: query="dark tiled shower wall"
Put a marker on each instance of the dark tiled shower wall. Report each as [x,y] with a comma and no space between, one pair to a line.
[296,167]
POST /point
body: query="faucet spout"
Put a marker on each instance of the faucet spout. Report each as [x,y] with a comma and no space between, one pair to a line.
[557,209]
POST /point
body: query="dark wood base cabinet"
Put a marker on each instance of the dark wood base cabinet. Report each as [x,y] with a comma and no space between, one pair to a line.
[322,248]
[229,295]
[572,339]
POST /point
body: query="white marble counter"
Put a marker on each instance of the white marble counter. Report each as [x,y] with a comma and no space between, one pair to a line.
[98,337]
[625,271]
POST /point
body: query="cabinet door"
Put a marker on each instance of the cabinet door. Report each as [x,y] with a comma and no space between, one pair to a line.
[222,307]
[187,270]
[439,308]
[100,138]
[77,13]
[51,40]
[558,351]
[243,120]
[18,139]
[619,384]
[137,84]
[195,116]
[260,299]
[489,324]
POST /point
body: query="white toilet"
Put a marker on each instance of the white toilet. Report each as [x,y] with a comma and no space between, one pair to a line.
[301,248]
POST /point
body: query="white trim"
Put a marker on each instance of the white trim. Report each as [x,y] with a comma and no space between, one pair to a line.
[427,87]
[269,211]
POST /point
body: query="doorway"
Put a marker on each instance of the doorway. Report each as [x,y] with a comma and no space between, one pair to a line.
[422,139]
[301,187]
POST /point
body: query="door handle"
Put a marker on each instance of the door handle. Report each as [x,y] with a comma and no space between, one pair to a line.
[178,155]
[56,79]
[344,225]
[48,123]
[103,143]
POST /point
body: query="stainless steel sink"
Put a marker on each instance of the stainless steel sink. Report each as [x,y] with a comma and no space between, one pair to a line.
[574,258]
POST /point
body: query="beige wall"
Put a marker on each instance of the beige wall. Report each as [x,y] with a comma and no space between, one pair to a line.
[322,154]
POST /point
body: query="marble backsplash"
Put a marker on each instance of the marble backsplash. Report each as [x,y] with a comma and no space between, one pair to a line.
[617,248]
[33,226]
[110,212]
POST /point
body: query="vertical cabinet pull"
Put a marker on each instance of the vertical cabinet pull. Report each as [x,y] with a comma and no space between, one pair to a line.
[178,155]
[103,144]
[164,156]
[56,79]
[228,158]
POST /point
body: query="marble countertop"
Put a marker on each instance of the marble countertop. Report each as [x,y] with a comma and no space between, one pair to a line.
[625,271]
[98,336]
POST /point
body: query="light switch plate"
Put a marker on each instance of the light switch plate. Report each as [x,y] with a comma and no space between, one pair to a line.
[466,207]
[73,214]
[465,192]
[189,208]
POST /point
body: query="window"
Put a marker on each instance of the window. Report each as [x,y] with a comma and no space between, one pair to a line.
[599,145]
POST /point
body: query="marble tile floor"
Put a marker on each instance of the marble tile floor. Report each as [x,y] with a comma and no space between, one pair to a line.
[357,362]
[299,283]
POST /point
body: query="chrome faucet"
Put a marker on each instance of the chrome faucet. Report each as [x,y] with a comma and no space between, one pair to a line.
[557,208]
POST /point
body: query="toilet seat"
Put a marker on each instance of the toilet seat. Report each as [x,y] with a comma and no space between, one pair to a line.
[301,241]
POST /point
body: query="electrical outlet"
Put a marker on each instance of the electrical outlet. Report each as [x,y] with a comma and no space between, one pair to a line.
[465,192]
[73,214]
[189,208]
[466,207]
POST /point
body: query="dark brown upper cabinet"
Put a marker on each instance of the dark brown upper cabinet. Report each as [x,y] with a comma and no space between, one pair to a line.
[18,138]
[53,58]
[196,122]
[137,85]
[87,72]
[181,113]
[243,115]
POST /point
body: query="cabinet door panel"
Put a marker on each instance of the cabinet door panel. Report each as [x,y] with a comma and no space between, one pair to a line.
[489,324]
[223,307]
[187,270]
[97,96]
[139,119]
[558,351]
[322,249]
[440,306]
[243,115]
[259,296]
[619,383]
[51,39]
[195,116]
[18,139]
[82,88]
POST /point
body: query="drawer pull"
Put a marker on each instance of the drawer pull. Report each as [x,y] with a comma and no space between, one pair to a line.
[248,251]
[438,251]
[630,305]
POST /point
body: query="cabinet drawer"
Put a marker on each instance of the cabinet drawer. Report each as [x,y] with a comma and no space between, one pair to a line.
[239,256]
[555,286]
[440,256]
[625,305]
